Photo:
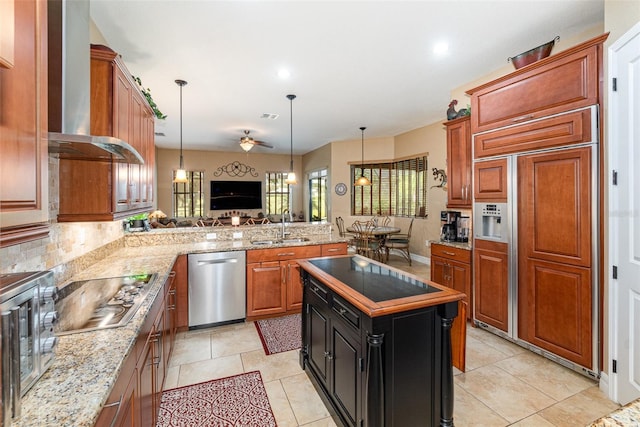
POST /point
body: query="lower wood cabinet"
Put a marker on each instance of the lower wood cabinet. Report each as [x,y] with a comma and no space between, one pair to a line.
[451,266]
[491,283]
[135,398]
[274,286]
[181,270]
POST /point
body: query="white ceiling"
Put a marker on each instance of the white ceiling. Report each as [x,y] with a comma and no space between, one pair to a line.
[351,63]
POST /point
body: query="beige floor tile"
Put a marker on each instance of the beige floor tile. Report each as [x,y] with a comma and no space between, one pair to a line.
[197,372]
[305,401]
[234,341]
[511,398]
[171,380]
[193,348]
[479,354]
[280,404]
[325,422]
[533,421]
[547,376]
[500,344]
[579,409]
[470,412]
[274,366]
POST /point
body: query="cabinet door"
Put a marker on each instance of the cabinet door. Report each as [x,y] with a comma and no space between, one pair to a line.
[345,373]
[180,268]
[146,384]
[438,270]
[294,286]
[24,207]
[318,345]
[170,320]
[490,181]
[491,283]
[266,289]
[459,193]
[7,33]
[460,278]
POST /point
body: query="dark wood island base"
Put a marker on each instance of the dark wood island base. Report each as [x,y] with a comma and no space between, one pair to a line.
[376,343]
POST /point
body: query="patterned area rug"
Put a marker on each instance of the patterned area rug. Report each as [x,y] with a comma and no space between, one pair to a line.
[237,401]
[280,333]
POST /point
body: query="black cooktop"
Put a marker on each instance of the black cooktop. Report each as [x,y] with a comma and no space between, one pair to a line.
[374,281]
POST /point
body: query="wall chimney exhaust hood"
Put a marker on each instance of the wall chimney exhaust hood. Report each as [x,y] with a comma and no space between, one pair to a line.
[70,89]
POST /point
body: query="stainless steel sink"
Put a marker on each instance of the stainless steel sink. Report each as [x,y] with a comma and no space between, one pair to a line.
[264,242]
[294,240]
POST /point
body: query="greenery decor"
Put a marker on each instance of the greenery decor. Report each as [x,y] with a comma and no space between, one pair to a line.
[147,94]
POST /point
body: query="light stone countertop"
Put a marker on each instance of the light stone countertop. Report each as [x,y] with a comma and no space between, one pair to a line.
[461,245]
[87,364]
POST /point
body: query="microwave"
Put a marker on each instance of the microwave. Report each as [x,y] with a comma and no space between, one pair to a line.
[27,317]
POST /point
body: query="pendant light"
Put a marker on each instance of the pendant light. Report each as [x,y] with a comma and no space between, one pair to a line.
[181,173]
[362,181]
[291,177]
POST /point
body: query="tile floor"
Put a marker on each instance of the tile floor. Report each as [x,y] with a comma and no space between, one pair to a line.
[504,385]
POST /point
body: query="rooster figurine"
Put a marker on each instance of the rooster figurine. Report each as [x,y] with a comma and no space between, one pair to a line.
[452,113]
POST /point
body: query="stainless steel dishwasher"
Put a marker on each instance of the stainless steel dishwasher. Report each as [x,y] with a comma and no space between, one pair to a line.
[217,288]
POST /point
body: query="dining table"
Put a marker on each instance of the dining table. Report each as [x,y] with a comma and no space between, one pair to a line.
[380,233]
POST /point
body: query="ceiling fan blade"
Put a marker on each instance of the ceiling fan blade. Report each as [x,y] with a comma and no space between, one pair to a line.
[262,144]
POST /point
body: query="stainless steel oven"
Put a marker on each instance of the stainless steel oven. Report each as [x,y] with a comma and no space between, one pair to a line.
[27,316]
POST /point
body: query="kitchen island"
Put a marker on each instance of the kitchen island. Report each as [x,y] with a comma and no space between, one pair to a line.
[376,342]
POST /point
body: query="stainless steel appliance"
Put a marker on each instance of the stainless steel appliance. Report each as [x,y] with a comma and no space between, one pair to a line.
[549,229]
[27,317]
[88,305]
[217,288]
[463,226]
[449,227]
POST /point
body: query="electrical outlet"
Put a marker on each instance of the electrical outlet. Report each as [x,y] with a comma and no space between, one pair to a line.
[237,244]
[237,235]
[426,243]
[211,236]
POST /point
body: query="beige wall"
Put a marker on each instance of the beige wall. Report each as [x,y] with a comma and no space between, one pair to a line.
[210,161]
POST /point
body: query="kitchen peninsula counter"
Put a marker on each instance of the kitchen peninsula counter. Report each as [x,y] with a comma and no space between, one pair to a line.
[87,364]
[376,342]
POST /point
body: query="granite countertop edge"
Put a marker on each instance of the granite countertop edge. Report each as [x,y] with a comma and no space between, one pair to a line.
[87,364]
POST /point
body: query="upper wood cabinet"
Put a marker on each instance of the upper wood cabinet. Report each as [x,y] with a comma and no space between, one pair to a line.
[24,167]
[459,194]
[105,190]
[7,33]
[490,180]
[565,81]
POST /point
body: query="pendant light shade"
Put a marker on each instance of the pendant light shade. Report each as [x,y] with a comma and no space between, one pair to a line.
[291,177]
[181,173]
[362,181]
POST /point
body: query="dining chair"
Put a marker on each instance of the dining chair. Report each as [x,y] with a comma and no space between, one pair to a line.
[400,242]
[367,243]
[344,234]
[381,221]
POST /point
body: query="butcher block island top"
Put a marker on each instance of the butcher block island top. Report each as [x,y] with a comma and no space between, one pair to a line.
[375,288]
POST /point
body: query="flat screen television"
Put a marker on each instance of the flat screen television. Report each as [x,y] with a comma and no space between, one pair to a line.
[227,195]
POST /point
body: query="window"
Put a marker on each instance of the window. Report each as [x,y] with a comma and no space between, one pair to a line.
[398,188]
[188,197]
[318,195]
[277,193]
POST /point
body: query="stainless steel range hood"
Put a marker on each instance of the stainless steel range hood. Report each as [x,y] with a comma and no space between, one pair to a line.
[70,91]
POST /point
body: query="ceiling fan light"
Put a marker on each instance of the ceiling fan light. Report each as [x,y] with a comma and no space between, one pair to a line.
[181,176]
[246,145]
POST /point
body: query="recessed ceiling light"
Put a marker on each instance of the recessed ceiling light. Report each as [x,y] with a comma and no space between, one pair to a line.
[271,116]
[441,48]
[159,133]
[284,73]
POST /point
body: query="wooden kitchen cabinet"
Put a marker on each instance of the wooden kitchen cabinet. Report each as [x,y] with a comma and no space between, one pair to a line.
[108,190]
[181,270]
[491,283]
[459,193]
[7,33]
[121,408]
[24,205]
[564,81]
[274,286]
[490,181]
[451,266]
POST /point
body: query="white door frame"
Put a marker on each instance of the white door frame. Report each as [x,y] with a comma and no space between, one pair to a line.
[617,324]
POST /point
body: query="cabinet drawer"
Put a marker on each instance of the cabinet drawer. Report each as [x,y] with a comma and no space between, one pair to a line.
[449,252]
[331,249]
[556,131]
[346,312]
[319,290]
[283,254]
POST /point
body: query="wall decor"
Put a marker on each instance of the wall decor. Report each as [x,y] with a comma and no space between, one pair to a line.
[439,174]
[236,169]
[341,189]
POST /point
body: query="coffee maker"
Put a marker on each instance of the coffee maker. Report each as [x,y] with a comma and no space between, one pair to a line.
[449,223]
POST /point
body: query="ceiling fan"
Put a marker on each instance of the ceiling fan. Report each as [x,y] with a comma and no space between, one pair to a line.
[247,143]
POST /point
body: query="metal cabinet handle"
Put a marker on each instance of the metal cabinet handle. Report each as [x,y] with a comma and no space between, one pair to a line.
[333,250]
[342,311]
[519,119]
[328,355]
[111,405]
[287,254]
